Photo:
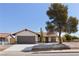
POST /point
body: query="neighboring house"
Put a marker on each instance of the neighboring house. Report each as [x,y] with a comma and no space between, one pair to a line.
[6,38]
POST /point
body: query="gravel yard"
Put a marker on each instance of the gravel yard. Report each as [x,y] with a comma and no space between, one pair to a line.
[56,46]
[72,45]
[44,47]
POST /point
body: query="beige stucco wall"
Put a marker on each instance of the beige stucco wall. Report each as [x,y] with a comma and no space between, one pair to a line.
[27,33]
[9,39]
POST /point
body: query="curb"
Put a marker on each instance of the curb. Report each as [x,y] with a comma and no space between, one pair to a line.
[60,51]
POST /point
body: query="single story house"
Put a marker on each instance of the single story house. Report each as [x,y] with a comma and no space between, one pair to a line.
[26,36]
[6,38]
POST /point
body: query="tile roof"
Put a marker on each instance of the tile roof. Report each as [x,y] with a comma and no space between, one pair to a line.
[4,34]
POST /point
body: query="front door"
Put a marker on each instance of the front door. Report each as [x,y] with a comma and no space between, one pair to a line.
[46,40]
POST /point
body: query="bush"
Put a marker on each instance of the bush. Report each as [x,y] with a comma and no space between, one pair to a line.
[75,37]
[67,38]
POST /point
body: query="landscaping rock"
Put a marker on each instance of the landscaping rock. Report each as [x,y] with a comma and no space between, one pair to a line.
[50,47]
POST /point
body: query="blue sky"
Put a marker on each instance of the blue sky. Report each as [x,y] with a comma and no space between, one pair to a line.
[14,17]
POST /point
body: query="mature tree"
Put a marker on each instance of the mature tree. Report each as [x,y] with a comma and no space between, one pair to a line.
[58,14]
[72,24]
[59,21]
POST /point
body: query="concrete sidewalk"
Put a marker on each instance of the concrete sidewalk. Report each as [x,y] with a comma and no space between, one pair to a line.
[61,51]
[49,51]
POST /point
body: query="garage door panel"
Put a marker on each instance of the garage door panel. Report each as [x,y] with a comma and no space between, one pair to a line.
[25,39]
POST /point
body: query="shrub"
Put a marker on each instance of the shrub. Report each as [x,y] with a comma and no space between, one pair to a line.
[75,37]
[68,37]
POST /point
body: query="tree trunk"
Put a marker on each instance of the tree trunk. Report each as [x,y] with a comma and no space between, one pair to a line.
[60,40]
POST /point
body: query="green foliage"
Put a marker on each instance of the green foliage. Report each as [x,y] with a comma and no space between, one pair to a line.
[58,15]
[68,37]
[57,12]
[75,37]
[50,27]
[73,22]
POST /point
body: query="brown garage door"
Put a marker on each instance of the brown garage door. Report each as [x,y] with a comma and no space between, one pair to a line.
[26,39]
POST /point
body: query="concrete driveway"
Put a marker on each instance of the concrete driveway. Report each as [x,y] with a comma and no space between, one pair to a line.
[20,47]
